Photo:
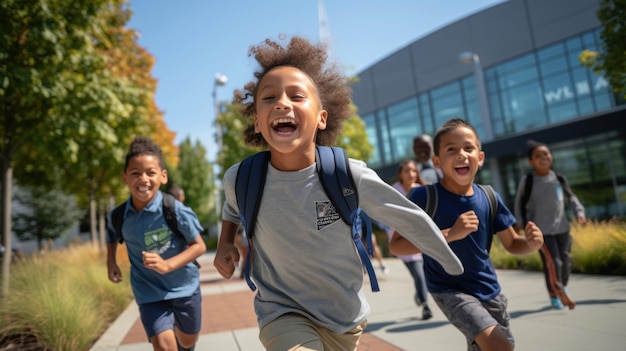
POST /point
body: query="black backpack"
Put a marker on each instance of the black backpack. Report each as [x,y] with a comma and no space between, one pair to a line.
[333,169]
[117,218]
[432,200]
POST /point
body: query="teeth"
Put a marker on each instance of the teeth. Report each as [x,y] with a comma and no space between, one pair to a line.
[283,120]
[142,188]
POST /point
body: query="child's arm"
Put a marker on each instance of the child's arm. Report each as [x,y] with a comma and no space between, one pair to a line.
[521,245]
[399,246]
[114,272]
[464,225]
[155,262]
[227,255]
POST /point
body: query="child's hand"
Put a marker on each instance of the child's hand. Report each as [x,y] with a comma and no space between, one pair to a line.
[226,260]
[581,220]
[114,272]
[534,236]
[466,223]
[155,262]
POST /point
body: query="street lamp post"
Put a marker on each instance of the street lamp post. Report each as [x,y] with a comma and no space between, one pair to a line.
[468,57]
[220,80]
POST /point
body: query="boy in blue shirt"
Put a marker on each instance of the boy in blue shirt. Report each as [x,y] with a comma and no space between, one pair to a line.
[473,301]
[165,282]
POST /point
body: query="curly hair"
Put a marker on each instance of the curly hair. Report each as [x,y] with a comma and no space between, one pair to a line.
[143,146]
[332,86]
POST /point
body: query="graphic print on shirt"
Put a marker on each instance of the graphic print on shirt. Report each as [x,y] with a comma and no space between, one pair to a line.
[157,240]
[326,214]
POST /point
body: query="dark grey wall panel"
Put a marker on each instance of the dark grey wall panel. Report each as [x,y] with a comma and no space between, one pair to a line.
[394,78]
[497,34]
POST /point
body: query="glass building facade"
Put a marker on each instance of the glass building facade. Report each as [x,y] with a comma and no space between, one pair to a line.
[531,96]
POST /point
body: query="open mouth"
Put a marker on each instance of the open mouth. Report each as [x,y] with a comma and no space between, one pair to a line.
[462,169]
[284,125]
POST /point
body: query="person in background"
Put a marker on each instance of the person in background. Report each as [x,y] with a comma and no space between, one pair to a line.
[473,302]
[408,178]
[164,280]
[423,150]
[544,202]
[176,191]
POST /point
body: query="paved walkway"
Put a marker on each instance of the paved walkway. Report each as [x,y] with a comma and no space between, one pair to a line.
[229,323]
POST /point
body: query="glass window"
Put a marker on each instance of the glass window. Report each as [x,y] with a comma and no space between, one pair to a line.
[447,107]
[384,136]
[513,65]
[510,79]
[562,112]
[553,65]
[371,131]
[589,41]
[404,126]
[574,44]
[585,106]
[556,50]
[427,114]
[445,90]
[523,107]
[558,88]
[469,88]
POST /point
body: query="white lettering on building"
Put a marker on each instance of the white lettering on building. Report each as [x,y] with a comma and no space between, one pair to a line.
[581,87]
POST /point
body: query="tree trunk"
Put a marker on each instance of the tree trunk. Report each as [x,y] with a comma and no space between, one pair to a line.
[7,195]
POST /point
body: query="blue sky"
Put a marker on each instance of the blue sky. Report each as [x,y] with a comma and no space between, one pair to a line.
[192,40]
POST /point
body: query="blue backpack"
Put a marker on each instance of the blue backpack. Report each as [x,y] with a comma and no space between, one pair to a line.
[334,172]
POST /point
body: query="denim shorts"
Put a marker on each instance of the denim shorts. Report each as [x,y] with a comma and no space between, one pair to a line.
[184,313]
[471,315]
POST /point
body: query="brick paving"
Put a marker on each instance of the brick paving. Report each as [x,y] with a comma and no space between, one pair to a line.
[233,310]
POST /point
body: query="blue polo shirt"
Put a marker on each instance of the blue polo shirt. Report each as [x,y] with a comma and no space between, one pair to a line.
[479,278]
[147,230]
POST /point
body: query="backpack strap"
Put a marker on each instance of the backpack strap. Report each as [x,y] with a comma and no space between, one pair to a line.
[117,220]
[432,200]
[528,188]
[493,209]
[333,168]
[169,212]
[249,186]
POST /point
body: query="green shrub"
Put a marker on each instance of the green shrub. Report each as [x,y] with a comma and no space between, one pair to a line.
[597,248]
[62,299]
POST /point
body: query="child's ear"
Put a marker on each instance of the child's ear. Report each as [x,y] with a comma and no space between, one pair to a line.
[481,158]
[321,122]
[256,125]
[436,161]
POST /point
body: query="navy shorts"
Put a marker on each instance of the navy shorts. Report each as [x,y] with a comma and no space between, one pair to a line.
[184,313]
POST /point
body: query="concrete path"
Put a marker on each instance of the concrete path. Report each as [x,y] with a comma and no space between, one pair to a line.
[597,323]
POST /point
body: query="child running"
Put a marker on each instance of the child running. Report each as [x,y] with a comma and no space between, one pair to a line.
[472,302]
[309,276]
[165,282]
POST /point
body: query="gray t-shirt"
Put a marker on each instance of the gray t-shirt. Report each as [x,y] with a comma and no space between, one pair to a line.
[546,205]
[304,260]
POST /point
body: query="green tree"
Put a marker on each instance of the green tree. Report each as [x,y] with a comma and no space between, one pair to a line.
[194,174]
[610,60]
[42,45]
[45,214]
[354,138]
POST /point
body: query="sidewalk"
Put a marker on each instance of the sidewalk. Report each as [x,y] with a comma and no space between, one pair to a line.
[229,323]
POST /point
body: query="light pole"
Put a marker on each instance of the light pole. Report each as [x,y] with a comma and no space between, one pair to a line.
[466,58]
[220,80]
